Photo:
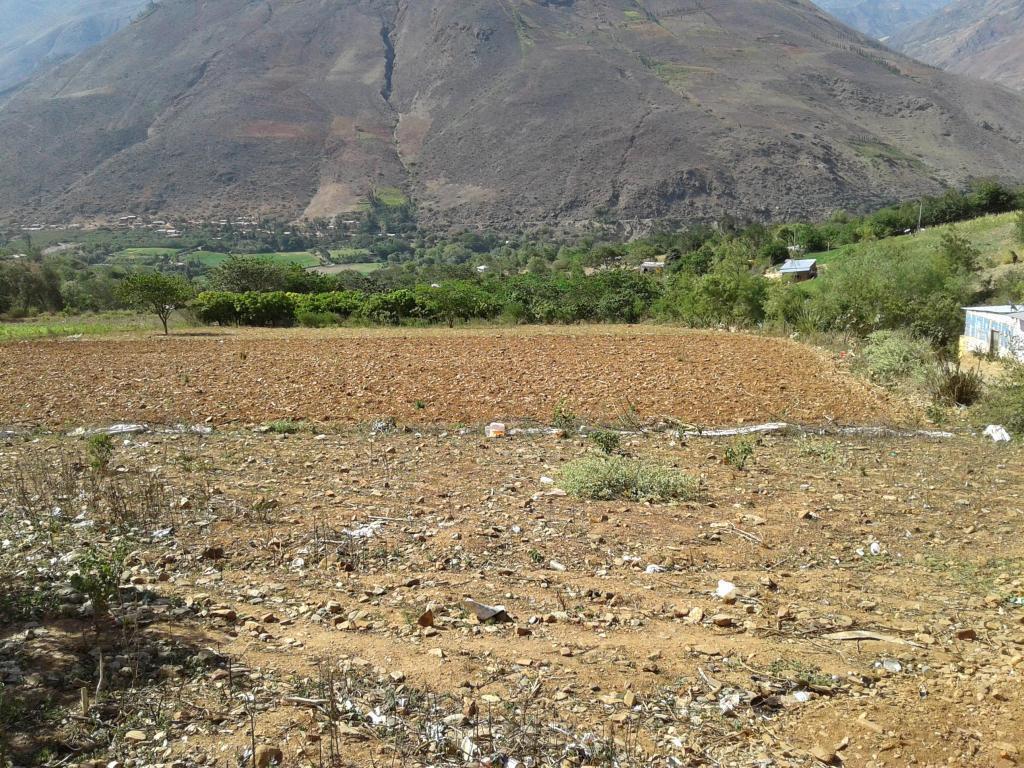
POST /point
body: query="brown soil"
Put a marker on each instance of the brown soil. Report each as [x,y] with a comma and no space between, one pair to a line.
[701,378]
[459,517]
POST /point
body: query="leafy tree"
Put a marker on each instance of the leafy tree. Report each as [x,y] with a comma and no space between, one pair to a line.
[960,252]
[241,274]
[155,292]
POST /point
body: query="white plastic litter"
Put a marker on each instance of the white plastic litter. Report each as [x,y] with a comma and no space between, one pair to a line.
[495,429]
[365,531]
[654,569]
[876,548]
[997,433]
[725,588]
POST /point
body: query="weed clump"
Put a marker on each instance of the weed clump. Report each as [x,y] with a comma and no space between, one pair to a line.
[285,427]
[895,356]
[608,442]
[564,417]
[607,478]
[99,450]
[951,385]
[739,453]
[1004,401]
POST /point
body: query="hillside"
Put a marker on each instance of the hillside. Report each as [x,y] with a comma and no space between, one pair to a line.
[981,38]
[35,35]
[505,115]
[881,18]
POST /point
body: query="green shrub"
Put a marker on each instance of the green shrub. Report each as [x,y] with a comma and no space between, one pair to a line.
[564,417]
[607,478]
[340,303]
[266,309]
[99,450]
[895,356]
[609,442]
[389,308]
[951,385]
[98,576]
[1004,401]
[309,319]
[216,307]
[739,453]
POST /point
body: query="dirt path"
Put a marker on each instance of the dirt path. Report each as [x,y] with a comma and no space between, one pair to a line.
[601,373]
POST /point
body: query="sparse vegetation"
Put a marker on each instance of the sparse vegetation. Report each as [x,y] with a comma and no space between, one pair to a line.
[99,450]
[894,357]
[1004,401]
[740,452]
[606,478]
[952,385]
[607,441]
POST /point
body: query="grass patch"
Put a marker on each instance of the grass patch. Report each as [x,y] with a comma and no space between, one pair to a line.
[134,253]
[607,478]
[992,235]
[55,327]
[285,427]
[209,258]
[391,196]
[876,150]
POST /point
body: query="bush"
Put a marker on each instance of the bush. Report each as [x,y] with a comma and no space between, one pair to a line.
[340,303]
[99,450]
[951,385]
[607,441]
[266,309]
[1004,402]
[216,307]
[309,319]
[607,478]
[739,453]
[389,308]
[895,356]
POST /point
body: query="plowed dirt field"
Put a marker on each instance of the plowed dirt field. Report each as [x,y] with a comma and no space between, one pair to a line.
[702,378]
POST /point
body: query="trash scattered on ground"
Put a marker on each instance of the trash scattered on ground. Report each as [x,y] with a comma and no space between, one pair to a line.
[997,433]
[487,613]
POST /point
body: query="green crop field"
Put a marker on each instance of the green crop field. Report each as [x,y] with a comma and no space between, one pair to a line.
[134,253]
[208,258]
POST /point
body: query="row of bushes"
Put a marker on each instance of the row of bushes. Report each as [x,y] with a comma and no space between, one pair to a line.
[614,296]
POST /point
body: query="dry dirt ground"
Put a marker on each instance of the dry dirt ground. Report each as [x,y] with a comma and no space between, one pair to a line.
[704,378]
[307,593]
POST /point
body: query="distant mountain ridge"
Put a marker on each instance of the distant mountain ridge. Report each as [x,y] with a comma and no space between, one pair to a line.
[35,35]
[981,38]
[881,19]
[496,114]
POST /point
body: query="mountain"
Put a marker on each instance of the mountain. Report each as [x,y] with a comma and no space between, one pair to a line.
[982,38]
[38,33]
[881,18]
[498,113]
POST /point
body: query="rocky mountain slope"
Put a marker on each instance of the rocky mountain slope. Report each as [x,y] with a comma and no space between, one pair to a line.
[34,35]
[881,18]
[982,38]
[501,114]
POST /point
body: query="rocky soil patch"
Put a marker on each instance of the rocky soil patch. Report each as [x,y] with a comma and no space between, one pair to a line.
[428,598]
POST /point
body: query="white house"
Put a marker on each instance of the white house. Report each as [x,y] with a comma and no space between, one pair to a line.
[994,331]
[799,269]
